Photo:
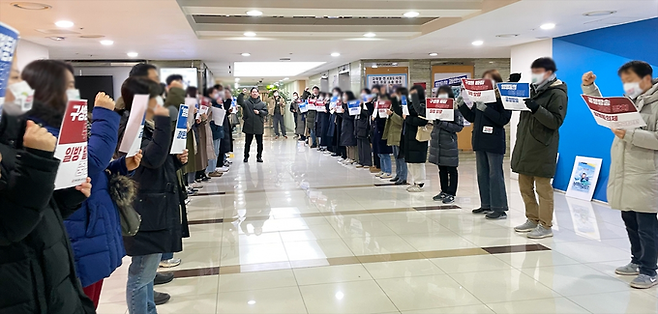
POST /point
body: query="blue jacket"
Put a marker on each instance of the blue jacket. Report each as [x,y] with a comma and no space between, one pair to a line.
[95,229]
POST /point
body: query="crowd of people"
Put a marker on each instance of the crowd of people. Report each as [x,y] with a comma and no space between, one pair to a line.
[57,246]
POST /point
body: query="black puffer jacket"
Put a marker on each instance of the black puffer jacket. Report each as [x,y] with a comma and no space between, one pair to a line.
[347,136]
[37,272]
[444,150]
[414,151]
[253,123]
[495,117]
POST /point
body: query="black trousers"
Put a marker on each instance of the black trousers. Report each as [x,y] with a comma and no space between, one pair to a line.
[642,231]
[449,178]
[259,145]
[365,151]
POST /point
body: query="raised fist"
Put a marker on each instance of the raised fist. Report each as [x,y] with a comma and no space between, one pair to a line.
[104,101]
[589,78]
[36,137]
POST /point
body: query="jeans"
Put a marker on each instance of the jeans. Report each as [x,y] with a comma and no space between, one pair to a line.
[400,164]
[259,145]
[542,212]
[212,163]
[139,290]
[491,181]
[167,256]
[314,140]
[418,174]
[449,178]
[385,163]
[642,229]
[278,123]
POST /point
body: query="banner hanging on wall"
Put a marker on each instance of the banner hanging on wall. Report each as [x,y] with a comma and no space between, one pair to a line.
[614,112]
[390,81]
[513,95]
[452,79]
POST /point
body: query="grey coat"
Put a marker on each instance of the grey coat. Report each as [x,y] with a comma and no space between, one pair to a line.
[253,123]
[633,179]
[443,144]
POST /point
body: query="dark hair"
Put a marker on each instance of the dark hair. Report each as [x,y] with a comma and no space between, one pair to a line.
[494,74]
[402,90]
[447,89]
[421,92]
[350,95]
[191,91]
[142,69]
[174,77]
[366,90]
[252,89]
[545,63]
[134,85]
[337,89]
[48,78]
[295,93]
[315,87]
[209,91]
[378,87]
[218,86]
[514,77]
[155,89]
[641,68]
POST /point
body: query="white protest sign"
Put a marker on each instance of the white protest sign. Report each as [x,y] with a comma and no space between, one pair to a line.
[72,146]
[405,105]
[218,115]
[481,90]
[513,95]
[132,137]
[179,141]
[614,112]
[354,107]
[382,108]
[440,109]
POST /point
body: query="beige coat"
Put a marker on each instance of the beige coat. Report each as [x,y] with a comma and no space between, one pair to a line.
[633,180]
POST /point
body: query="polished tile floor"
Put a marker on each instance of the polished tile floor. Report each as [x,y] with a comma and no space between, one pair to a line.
[302,233]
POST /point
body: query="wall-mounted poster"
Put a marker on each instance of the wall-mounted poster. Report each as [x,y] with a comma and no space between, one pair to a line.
[584,176]
[452,79]
[391,81]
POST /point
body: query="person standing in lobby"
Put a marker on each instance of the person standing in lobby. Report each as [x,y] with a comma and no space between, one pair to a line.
[415,152]
[393,132]
[633,179]
[535,153]
[489,144]
[254,112]
[279,109]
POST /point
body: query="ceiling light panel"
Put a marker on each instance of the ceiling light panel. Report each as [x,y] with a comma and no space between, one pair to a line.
[33,6]
[64,24]
[273,69]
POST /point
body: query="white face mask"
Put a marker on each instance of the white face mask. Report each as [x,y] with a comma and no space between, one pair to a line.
[73,94]
[443,96]
[276,94]
[538,78]
[295,96]
[633,89]
[335,94]
[160,101]
[23,94]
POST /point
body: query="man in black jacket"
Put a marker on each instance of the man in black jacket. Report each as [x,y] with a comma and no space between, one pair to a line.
[254,112]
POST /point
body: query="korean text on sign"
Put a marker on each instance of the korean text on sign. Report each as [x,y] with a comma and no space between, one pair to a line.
[614,112]
[72,146]
[179,141]
[480,90]
[514,94]
[440,109]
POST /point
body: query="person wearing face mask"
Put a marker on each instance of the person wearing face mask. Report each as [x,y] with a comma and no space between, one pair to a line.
[393,134]
[254,113]
[379,146]
[415,152]
[362,131]
[279,108]
[489,144]
[36,259]
[300,118]
[633,179]
[157,202]
[444,151]
[18,95]
[535,153]
[322,123]
[311,115]
[347,135]
[376,168]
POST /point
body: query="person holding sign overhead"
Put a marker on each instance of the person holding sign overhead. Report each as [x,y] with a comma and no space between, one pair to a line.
[254,113]
[535,154]
[489,144]
[633,180]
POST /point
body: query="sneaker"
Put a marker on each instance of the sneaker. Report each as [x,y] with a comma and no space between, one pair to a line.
[222,169]
[246,160]
[496,215]
[449,199]
[163,278]
[375,170]
[386,176]
[170,263]
[197,185]
[396,179]
[415,188]
[359,166]
[439,197]
[334,155]
[526,227]
[644,282]
[160,298]
[216,174]
[482,211]
[326,152]
[628,270]
[401,182]
[379,175]
[540,232]
[259,160]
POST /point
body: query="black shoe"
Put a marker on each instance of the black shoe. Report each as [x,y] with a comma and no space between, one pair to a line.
[396,179]
[314,146]
[246,160]
[259,160]
[160,298]
[449,199]
[403,182]
[482,211]
[163,278]
[496,215]
[440,197]
[421,185]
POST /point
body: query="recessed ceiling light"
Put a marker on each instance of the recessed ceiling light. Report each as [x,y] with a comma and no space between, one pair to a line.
[133,54]
[246,54]
[335,54]
[31,6]
[433,54]
[287,78]
[477,43]
[250,34]
[107,42]
[547,26]
[254,13]
[599,13]
[507,35]
[251,302]
[64,24]
[369,35]
[411,14]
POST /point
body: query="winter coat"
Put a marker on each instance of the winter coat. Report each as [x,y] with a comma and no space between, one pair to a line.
[300,118]
[95,229]
[362,123]
[444,150]
[393,128]
[311,114]
[347,137]
[538,136]
[496,117]
[414,151]
[227,141]
[36,260]
[158,199]
[278,106]
[253,123]
[633,179]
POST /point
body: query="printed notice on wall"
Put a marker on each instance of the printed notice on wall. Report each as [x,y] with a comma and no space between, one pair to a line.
[513,95]
[180,135]
[132,137]
[481,90]
[614,112]
[72,146]
[440,109]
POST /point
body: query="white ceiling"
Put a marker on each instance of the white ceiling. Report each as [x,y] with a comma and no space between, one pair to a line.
[164,29]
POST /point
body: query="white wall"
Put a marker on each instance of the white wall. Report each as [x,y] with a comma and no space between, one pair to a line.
[28,51]
[522,57]
[119,74]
